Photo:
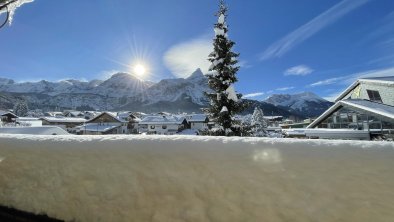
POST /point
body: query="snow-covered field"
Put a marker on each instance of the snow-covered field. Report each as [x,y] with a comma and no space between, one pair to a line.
[189,178]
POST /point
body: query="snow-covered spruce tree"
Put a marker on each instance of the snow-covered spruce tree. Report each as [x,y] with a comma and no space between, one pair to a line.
[258,123]
[21,109]
[224,101]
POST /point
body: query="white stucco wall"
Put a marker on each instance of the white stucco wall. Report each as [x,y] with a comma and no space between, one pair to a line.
[199,126]
[386,92]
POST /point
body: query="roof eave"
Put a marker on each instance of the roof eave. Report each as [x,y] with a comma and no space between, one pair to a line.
[347,90]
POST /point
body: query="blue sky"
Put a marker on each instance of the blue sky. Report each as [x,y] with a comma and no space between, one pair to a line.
[286,46]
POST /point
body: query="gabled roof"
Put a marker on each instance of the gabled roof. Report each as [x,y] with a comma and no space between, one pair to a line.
[387,80]
[7,113]
[75,113]
[125,115]
[378,109]
[63,119]
[373,107]
[96,127]
[198,118]
[113,115]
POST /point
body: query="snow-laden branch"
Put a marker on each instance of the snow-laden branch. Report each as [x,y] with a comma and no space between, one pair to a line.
[9,7]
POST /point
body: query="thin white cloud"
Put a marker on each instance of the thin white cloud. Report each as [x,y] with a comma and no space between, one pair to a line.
[184,58]
[300,70]
[306,31]
[252,95]
[325,82]
[285,88]
[348,79]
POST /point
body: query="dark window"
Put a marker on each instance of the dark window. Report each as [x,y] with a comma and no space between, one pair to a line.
[164,127]
[374,96]
[152,127]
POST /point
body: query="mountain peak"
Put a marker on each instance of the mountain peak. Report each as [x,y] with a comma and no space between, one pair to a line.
[122,75]
[4,81]
[196,74]
[307,94]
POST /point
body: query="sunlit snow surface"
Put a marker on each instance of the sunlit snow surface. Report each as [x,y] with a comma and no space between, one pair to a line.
[190,178]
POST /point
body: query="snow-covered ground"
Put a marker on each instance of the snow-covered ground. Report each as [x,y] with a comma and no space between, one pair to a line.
[189,178]
[39,130]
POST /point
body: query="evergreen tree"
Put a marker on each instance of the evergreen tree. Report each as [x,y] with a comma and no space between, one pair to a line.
[21,109]
[224,101]
[258,123]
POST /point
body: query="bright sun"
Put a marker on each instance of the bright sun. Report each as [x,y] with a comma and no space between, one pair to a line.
[139,70]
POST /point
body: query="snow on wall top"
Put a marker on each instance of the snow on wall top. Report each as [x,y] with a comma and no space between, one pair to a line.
[189,178]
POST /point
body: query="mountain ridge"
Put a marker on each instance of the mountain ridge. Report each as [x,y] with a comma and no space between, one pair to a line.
[123,91]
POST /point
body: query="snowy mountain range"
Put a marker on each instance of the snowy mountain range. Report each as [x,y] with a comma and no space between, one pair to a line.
[123,91]
[306,104]
[120,91]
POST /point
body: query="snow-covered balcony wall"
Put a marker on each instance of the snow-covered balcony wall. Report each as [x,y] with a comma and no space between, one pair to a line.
[164,178]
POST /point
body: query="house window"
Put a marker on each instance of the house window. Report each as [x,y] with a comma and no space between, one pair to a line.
[374,96]
[152,127]
[164,127]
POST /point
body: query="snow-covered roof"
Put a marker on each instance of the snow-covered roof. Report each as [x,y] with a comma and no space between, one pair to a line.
[63,119]
[3,113]
[197,118]
[162,120]
[27,119]
[112,114]
[76,113]
[96,127]
[365,105]
[272,117]
[125,115]
[387,80]
[378,108]
[39,130]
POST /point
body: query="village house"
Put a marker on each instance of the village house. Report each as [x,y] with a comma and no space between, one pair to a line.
[54,114]
[66,123]
[73,113]
[90,114]
[7,117]
[367,105]
[28,121]
[197,121]
[132,120]
[162,125]
[273,120]
[105,123]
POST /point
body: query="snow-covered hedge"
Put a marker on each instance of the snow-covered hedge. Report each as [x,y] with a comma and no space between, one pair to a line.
[189,178]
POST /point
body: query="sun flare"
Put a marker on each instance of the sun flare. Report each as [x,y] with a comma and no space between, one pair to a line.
[139,70]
